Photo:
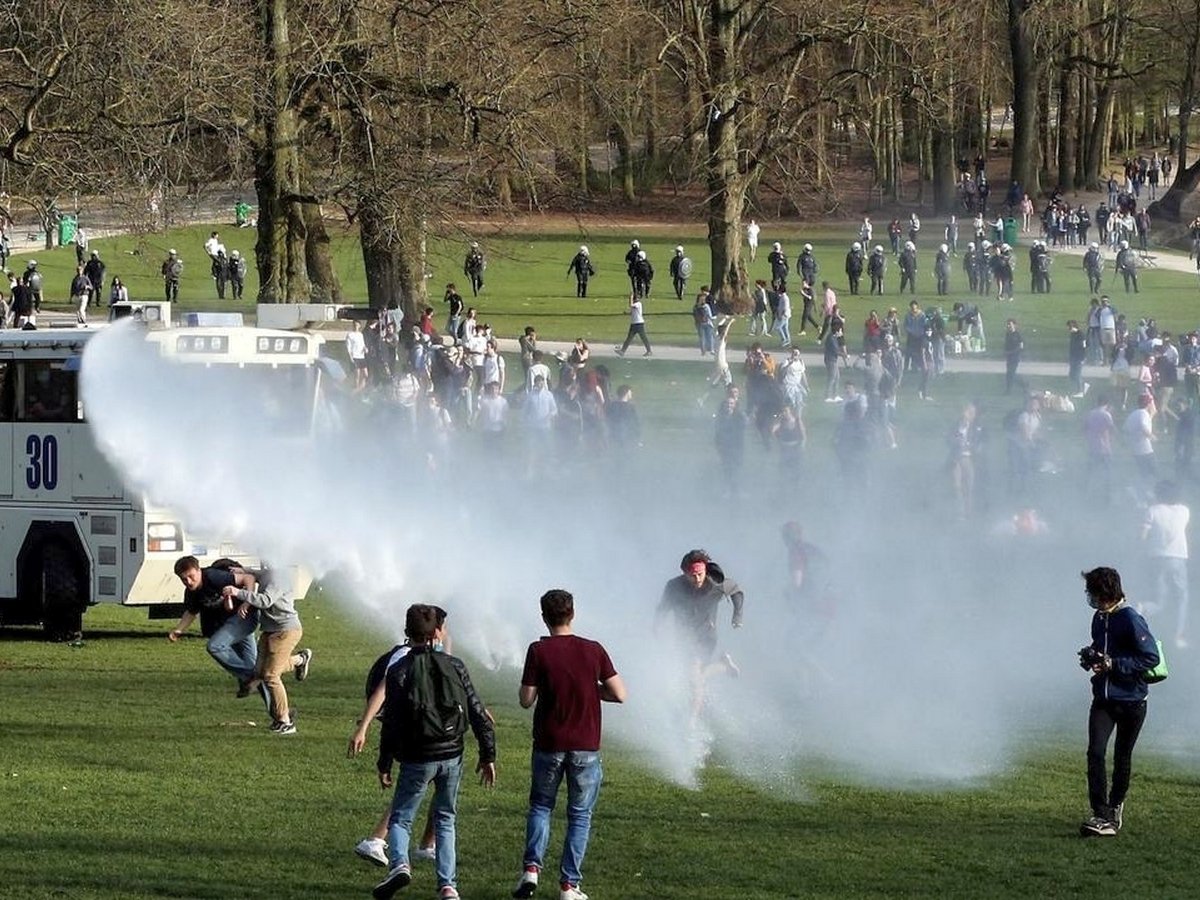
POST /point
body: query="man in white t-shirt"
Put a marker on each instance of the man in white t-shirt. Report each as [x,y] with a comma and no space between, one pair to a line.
[537,370]
[752,238]
[1139,432]
[1164,532]
[492,416]
[494,369]
[356,348]
[476,348]
[540,410]
[637,326]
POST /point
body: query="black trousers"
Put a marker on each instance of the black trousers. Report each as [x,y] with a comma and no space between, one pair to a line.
[1126,717]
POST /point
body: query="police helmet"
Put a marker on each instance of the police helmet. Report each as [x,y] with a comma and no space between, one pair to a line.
[634,244]
[95,254]
[856,246]
[878,248]
[909,245]
[679,250]
[583,249]
[777,246]
[641,254]
[945,248]
[172,252]
[1124,245]
[986,245]
[971,245]
[235,254]
[32,264]
[1004,248]
[808,248]
[1094,246]
[474,245]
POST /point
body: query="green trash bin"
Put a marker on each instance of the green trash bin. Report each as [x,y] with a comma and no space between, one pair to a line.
[66,230]
[1010,231]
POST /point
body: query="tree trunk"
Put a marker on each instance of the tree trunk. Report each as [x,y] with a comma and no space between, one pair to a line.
[1025,101]
[726,200]
[727,184]
[504,188]
[393,249]
[280,251]
[1169,205]
[624,162]
[582,132]
[729,282]
[944,192]
[319,262]
[1068,108]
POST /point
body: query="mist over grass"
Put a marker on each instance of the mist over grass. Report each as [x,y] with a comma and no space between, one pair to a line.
[938,647]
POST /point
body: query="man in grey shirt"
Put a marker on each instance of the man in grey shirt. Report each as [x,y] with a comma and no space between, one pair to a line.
[280,632]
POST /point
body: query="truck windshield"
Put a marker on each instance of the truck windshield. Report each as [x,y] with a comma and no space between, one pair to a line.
[281,399]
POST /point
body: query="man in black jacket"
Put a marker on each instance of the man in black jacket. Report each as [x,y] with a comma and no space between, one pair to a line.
[430,700]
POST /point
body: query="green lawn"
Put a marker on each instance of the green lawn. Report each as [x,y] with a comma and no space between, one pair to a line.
[130,771]
[526,282]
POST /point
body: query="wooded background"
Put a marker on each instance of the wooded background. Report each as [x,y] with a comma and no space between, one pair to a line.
[407,117]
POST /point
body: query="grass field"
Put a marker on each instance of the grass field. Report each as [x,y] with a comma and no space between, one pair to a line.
[526,282]
[130,771]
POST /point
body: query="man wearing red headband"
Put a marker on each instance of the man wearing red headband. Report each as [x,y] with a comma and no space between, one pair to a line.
[691,601]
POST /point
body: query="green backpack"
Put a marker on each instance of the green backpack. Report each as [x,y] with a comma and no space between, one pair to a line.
[1159,672]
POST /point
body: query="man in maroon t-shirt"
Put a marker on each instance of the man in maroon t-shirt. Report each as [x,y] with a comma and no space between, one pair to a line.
[566,676]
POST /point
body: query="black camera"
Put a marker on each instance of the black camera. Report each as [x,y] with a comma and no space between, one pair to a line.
[1090,657]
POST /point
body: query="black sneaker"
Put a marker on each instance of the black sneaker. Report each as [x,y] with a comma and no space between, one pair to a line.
[243,689]
[1116,815]
[1097,826]
[397,878]
[302,667]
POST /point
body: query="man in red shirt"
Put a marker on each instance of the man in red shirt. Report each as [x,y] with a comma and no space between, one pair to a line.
[566,676]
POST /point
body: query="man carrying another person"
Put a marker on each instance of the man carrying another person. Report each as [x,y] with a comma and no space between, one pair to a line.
[230,636]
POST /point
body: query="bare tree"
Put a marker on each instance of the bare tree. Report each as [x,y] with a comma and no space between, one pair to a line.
[760,75]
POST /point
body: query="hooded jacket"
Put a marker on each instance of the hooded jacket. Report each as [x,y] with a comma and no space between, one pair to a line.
[1123,635]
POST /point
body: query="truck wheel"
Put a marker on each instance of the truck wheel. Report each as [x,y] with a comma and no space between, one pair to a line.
[62,598]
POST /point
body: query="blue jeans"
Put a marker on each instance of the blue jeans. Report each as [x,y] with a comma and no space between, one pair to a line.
[413,778]
[232,646]
[584,774]
[784,327]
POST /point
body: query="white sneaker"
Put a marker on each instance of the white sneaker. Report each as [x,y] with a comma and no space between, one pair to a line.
[526,884]
[425,853]
[373,850]
[572,892]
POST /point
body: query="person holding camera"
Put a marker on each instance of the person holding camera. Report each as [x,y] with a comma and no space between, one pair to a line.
[1119,657]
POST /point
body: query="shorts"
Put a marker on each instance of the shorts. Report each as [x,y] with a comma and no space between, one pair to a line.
[360,363]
